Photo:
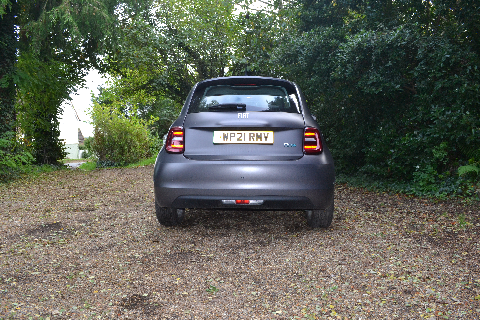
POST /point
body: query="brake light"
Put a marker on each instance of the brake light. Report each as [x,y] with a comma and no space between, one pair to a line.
[312,144]
[243,202]
[175,142]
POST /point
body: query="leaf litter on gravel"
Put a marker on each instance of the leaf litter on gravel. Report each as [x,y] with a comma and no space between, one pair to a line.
[79,244]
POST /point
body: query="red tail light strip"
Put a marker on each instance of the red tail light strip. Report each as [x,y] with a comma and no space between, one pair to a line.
[312,144]
[175,140]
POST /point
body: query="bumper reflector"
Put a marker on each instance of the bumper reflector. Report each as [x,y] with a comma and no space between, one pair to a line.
[243,202]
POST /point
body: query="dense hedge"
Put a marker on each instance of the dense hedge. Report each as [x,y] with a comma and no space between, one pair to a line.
[398,99]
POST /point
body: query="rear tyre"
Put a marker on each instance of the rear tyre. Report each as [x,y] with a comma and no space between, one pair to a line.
[320,218]
[169,217]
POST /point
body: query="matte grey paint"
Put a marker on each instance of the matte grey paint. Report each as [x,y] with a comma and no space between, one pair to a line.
[206,174]
[287,127]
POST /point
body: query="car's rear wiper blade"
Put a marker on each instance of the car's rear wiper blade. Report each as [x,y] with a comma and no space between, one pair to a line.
[228,107]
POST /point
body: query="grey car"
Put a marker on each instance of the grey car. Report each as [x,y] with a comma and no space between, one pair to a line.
[245,143]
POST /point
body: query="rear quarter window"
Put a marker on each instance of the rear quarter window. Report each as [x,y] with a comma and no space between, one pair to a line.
[255,98]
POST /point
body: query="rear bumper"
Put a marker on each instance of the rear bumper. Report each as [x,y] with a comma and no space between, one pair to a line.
[268,202]
[306,183]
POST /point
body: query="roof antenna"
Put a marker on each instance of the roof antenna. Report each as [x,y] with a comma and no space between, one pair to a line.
[246,69]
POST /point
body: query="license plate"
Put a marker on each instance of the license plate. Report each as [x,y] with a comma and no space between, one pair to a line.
[255,137]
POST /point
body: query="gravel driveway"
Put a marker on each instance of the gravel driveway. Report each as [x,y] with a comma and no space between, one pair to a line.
[79,245]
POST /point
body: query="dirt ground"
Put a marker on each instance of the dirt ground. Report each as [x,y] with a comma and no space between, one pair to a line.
[86,245]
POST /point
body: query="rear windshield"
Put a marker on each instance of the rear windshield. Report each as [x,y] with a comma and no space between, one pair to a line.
[260,98]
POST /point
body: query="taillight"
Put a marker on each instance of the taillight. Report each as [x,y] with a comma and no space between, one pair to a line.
[312,144]
[175,142]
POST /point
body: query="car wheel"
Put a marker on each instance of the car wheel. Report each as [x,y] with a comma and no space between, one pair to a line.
[320,218]
[169,216]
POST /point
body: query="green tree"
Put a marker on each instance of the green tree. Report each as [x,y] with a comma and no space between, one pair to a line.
[58,42]
[44,86]
[14,159]
[259,32]
[174,45]
[177,43]
[49,34]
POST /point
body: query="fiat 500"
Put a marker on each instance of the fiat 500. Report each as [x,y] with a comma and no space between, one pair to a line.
[245,143]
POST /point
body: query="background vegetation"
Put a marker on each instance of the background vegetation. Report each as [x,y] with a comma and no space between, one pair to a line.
[394,84]
[118,139]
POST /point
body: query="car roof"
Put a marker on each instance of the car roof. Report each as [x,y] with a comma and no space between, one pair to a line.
[290,86]
[247,80]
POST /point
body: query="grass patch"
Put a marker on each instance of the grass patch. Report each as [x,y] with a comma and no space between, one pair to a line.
[91,165]
[88,166]
[142,163]
[31,172]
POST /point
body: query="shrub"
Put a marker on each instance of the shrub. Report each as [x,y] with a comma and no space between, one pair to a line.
[13,159]
[118,139]
[470,174]
[87,148]
[156,143]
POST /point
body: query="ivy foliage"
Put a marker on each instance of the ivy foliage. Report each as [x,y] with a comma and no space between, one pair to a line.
[7,70]
[14,158]
[43,87]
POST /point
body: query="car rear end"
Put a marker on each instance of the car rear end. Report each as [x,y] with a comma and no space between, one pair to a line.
[244,142]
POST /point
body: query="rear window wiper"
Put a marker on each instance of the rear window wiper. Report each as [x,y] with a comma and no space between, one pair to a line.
[228,107]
